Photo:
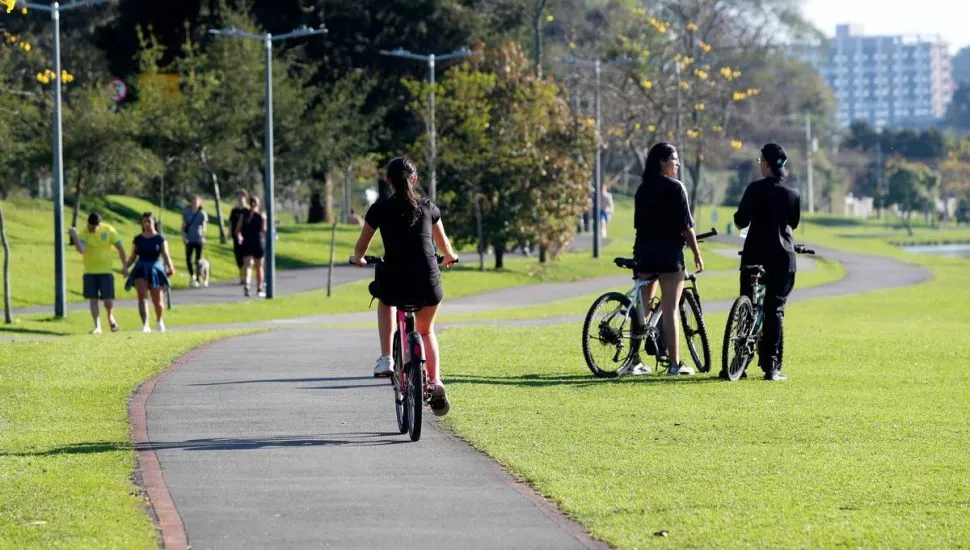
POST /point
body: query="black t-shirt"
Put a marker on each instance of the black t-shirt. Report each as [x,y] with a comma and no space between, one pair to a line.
[409,251]
[234,217]
[661,213]
[773,210]
[252,228]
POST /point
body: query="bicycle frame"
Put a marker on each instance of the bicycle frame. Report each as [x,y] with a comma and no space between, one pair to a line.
[411,346]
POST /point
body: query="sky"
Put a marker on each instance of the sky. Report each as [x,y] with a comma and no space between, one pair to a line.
[944,17]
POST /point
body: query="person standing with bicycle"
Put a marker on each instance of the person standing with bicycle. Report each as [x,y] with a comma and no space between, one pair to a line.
[410,229]
[772,210]
[663,224]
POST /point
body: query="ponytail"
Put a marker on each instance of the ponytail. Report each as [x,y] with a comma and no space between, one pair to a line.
[401,172]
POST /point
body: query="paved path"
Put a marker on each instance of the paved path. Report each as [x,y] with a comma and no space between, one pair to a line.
[270,441]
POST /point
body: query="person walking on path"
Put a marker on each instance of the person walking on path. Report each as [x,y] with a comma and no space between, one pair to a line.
[410,229]
[149,275]
[99,281]
[251,234]
[606,209]
[772,210]
[663,225]
[194,222]
[238,212]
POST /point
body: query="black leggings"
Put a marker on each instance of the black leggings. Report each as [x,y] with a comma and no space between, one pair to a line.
[778,286]
[189,248]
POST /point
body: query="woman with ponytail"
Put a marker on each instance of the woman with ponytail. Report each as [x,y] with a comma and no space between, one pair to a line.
[663,226]
[410,229]
[772,210]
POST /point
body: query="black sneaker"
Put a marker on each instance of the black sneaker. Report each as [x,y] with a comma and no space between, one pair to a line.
[439,401]
[775,375]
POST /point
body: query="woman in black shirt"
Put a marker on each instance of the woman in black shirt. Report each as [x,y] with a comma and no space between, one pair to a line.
[410,229]
[772,210]
[663,225]
[250,234]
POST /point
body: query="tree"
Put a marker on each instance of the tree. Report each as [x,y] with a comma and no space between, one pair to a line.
[958,113]
[912,188]
[512,159]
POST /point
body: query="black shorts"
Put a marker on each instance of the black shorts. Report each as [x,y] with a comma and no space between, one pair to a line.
[255,250]
[99,286]
[237,249]
[399,292]
[660,258]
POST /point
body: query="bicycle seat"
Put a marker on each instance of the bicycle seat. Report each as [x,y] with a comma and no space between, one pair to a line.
[691,277]
[751,270]
[408,308]
[625,263]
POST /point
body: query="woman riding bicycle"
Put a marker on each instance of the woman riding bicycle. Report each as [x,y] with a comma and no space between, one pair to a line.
[663,224]
[410,229]
[772,210]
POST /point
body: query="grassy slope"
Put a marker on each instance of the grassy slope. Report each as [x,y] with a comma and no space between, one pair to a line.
[65,454]
[866,445]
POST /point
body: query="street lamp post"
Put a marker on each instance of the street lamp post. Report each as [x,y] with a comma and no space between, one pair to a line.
[597,66]
[60,275]
[431,59]
[267,40]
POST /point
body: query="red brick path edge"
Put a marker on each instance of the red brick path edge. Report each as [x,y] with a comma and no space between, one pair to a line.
[148,473]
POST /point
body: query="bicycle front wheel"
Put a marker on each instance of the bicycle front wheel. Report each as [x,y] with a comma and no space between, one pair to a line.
[609,335]
[737,350]
[695,331]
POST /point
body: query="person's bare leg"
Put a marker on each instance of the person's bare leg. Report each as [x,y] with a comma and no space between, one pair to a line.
[159,304]
[142,288]
[109,308]
[95,314]
[248,269]
[385,324]
[424,324]
[671,286]
[647,294]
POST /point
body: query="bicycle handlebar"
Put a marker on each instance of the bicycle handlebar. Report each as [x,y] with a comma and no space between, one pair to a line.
[799,249]
[377,260]
[708,235]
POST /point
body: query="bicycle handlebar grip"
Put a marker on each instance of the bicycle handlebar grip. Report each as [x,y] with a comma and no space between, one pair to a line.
[802,249]
[708,235]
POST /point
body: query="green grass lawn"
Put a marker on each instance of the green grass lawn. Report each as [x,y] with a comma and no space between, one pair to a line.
[65,454]
[866,445]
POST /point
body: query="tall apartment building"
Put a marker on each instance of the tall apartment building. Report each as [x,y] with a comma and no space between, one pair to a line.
[903,80]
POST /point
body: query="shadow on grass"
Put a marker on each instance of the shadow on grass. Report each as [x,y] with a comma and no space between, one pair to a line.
[352,439]
[11,329]
[540,380]
[287,380]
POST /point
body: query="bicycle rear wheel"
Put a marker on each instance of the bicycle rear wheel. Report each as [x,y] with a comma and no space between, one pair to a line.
[414,399]
[608,335]
[737,350]
[399,379]
[695,331]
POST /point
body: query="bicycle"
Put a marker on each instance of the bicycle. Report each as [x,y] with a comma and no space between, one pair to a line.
[745,323]
[412,388]
[623,339]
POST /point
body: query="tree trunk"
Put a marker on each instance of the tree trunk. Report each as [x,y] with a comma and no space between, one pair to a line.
[221,222]
[537,34]
[77,197]
[499,254]
[695,175]
[542,254]
[7,314]
[481,235]
[328,198]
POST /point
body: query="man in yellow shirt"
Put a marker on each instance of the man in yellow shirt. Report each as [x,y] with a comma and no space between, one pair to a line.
[99,280]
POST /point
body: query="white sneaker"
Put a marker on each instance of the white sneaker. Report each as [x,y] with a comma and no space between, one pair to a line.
[194,283]
[146,329]
[384,367]
[261,293]
[160,327]
[680,370]
[205,284]
[97,330]
[637,369]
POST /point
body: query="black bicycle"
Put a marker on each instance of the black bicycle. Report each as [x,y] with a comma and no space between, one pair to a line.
[615,327]
[745,323]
